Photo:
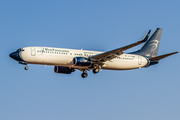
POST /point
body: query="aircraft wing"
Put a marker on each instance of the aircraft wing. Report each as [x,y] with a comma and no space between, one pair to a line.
[114,53]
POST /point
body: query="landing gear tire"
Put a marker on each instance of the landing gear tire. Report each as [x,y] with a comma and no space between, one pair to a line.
[84,75]
[95,70]
[26,68]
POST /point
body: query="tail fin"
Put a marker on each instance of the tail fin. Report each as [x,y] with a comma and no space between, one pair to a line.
[151,47]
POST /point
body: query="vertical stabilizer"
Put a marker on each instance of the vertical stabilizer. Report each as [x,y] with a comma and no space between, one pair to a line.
[151,47]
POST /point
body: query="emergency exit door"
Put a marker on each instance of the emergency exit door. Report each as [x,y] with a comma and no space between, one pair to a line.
[139,60]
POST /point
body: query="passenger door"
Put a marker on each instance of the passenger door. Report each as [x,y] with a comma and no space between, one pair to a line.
[33,52]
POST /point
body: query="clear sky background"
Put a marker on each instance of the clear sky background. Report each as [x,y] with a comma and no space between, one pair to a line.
[40,94]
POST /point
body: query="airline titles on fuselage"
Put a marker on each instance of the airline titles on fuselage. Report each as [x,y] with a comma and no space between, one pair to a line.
[84,54]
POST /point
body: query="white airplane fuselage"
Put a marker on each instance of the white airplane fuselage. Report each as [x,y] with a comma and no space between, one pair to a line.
[66,61]
[64,57]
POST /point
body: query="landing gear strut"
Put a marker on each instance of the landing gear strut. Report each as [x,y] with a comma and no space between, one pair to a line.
[26,68]
[84,74]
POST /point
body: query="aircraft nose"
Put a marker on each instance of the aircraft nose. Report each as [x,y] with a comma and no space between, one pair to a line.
[15,56]
[11,55]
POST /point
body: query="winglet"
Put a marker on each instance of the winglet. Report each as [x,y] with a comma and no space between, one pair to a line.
[146,36]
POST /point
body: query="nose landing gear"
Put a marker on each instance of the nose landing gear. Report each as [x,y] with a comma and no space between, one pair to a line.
[26,68]
[24,63]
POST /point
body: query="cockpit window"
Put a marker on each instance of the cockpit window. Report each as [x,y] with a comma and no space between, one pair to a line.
[20,49]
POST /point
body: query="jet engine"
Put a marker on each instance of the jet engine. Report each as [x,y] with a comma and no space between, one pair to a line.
[64,70]
[82,61]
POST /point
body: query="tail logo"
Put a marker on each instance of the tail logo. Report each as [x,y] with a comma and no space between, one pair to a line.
[154,44]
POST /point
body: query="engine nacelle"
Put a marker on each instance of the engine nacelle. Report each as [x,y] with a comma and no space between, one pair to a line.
[65,70]
[82,61]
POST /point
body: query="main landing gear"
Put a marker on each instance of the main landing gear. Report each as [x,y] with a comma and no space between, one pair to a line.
[95,70]
[84,74]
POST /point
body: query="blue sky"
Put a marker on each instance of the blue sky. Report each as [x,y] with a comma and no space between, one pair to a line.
[39,93]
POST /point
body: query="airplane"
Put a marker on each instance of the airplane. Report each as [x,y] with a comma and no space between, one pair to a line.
[67,61]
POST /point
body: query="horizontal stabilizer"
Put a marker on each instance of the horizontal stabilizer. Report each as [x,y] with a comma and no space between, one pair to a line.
[162,56]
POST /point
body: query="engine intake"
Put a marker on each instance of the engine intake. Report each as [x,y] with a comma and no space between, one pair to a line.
[82,61]
[64,70]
